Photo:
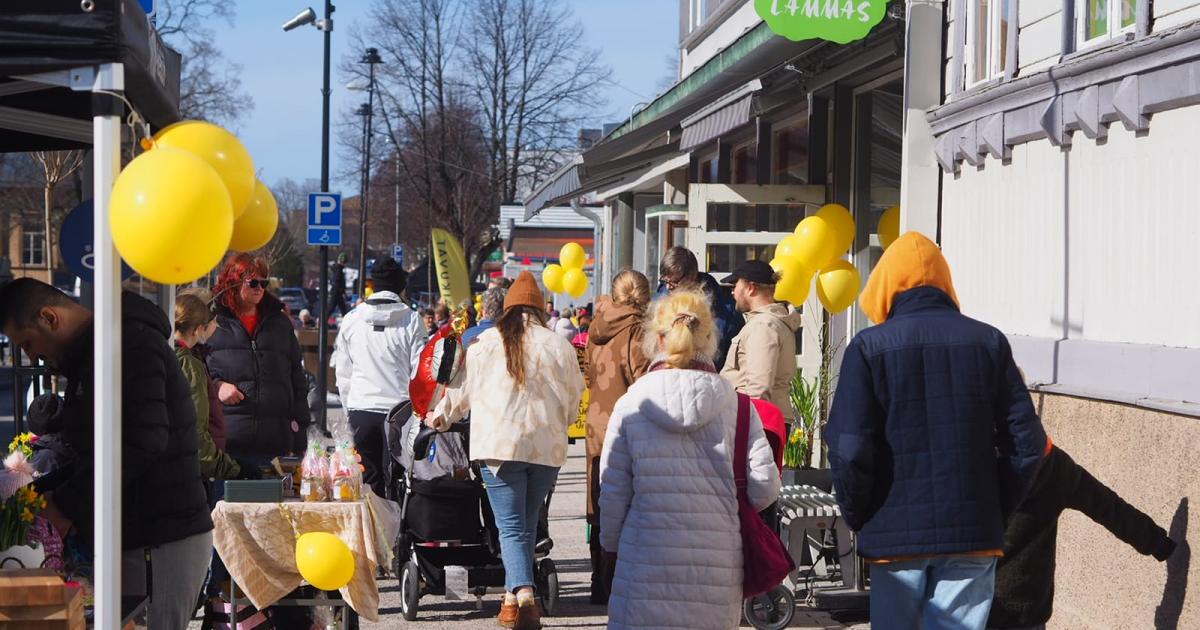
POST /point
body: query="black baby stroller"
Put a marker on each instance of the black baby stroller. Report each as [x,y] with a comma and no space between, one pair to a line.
[447,531]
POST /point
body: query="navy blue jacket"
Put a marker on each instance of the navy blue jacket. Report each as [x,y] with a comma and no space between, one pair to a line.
[925,404]
[724,310]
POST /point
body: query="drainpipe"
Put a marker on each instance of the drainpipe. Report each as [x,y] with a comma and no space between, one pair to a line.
[598,272]
[920,175]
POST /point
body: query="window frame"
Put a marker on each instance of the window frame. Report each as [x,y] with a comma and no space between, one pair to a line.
[33,241]
[997,61]
[1114,19]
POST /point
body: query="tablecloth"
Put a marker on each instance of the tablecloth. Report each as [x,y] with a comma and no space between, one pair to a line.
[258,545]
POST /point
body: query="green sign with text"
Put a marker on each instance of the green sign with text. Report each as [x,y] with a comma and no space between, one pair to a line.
[841,21]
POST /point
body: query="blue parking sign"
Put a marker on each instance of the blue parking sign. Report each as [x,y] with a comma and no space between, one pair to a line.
[324,219]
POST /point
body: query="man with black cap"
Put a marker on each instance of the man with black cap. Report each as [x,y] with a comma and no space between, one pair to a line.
[762,358]
[378,347]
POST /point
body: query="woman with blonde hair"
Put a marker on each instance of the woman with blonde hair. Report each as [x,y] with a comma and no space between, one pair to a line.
[677,426]
[614,360]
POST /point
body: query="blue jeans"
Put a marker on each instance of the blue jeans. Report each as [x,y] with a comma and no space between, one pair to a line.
[517,494]
[951,592]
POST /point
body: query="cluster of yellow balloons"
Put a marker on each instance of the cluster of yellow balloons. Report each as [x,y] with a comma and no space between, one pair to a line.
[567,275]
[324,560]
[816,248]
[190,197]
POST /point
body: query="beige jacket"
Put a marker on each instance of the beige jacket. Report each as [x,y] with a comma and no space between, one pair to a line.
[762,359]
[510,423]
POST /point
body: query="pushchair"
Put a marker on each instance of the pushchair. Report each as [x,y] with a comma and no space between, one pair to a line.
[447,527]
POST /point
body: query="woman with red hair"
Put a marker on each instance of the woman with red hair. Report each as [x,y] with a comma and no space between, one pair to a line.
[255,360]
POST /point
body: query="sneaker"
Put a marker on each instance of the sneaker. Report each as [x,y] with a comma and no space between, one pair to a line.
[543,546]
[529,617]
[508,614]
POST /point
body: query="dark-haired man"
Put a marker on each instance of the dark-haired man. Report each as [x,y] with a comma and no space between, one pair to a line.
[163,502]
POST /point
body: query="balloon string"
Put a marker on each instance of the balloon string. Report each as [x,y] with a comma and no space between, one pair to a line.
[135,121]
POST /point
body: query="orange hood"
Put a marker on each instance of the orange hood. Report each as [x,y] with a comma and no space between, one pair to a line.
[912,261]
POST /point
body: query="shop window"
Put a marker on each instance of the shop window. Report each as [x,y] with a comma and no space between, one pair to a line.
[987,40]
[653,255]
[708,171]
[791,153]
[1101,20]
[753,217]
[723,258]
[745,164]
[33,248]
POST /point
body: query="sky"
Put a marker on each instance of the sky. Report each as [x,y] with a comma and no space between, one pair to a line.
[282,73]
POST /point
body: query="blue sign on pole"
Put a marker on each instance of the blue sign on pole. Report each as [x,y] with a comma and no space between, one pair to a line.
[325,219]
[75,242]
[398,254]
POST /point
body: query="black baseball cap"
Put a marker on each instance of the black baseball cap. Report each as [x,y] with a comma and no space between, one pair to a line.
[755,271]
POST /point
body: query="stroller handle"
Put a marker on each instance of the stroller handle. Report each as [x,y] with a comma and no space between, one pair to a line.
[426,435]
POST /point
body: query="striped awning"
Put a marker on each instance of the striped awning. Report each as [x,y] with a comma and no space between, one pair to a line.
[726,114]
[561,185]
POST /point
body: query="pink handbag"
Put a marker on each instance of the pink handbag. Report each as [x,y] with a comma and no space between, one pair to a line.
[765,560]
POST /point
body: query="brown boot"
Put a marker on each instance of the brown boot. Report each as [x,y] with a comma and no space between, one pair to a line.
[508,614]
[529,617]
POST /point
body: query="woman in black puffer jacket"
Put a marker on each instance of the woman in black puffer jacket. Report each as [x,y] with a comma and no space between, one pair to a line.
[255,360]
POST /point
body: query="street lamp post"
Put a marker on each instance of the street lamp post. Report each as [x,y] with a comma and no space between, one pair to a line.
[370,57]
[308,16]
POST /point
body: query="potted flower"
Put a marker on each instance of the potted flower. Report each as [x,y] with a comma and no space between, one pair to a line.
[20,505]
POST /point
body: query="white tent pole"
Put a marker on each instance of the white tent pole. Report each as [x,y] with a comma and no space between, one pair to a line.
[107,360]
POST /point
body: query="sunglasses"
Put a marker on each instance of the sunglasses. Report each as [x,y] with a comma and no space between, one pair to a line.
[255,283]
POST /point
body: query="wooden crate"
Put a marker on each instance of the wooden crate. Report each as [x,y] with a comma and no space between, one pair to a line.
[38,599]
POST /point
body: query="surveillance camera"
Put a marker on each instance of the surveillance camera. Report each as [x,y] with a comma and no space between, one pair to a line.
[307,16]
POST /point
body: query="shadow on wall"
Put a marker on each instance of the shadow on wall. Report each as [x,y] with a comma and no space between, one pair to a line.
[1166,616]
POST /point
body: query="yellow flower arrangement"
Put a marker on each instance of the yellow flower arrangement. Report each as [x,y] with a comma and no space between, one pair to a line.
[19,510]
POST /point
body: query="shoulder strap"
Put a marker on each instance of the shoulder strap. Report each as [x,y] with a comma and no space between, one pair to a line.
[741,441]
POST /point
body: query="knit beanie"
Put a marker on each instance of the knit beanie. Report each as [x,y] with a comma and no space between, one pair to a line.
[389,276]
[524,292]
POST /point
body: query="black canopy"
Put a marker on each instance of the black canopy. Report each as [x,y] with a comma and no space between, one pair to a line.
[46,36]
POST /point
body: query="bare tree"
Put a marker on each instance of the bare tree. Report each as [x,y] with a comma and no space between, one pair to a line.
[210,88]
[56,167]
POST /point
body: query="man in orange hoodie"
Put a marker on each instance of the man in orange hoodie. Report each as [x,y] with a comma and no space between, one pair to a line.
[924,400]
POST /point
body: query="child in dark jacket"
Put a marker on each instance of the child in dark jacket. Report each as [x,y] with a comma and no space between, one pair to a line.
[1024,595]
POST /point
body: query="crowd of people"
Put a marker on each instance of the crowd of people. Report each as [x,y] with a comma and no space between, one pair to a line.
[939,460]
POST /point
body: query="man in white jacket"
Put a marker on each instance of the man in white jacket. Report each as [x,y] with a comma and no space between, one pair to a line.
[378,346]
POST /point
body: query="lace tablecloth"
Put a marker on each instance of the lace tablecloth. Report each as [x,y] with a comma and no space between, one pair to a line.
[258,545]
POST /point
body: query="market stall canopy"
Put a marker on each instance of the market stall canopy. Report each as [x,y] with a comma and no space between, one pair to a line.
[41,41]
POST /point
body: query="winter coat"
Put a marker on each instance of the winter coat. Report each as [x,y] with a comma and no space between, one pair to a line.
[162,494]
[267,369]
[922,404]
[378,346]
[668,505]
[724,311]
[762,359]
[1025,575]
[215,463]
[565,329]
[511,423]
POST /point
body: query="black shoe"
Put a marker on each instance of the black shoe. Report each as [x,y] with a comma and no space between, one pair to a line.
[599,596]
[543,546]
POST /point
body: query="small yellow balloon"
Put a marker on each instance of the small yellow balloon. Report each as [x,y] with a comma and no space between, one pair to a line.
[816,242]
[795,282]
[842,223]
[575,283]
[789,247]
[779,263]
[324,560]
[838,286]
[171,218]
[221,150]
[552,277]
[889,226]
[572,256]
[258,224]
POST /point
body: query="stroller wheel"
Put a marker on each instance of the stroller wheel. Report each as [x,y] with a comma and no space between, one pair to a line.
[410,590]
[548,581]
[772,610]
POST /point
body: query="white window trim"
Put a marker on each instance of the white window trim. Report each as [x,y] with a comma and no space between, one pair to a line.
[995,69]
[1114,18]
[33,241]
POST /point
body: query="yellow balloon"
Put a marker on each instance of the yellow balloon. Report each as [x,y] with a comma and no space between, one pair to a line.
[779,263]
[575,283]
[324,560]
[838,286]
[842,223]
[258,224]
[171,219]
[221,150]
[889,226]
[572,256]
[552,277]
[795,283]
[816,242]
[789,247]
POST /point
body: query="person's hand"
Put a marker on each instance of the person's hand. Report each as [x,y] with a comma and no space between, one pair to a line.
[229,394]
[57,519]
[434,421]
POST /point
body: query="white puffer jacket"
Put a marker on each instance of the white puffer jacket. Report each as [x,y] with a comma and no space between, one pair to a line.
[668,504]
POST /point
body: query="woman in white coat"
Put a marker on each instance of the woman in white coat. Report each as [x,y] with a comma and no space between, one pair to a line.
[668,503]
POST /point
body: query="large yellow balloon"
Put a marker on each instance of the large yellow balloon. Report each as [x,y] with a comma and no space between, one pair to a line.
[889,226]
[842,223]
[838,286]
[572,256]
[171,218]
[221,150]
[575,283]
[552,277]
[816,242]
[794,285]
[789,247]
[258,224]
[324,560]
[779,263]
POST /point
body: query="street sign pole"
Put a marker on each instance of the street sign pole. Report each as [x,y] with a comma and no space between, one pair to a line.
[323,325]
